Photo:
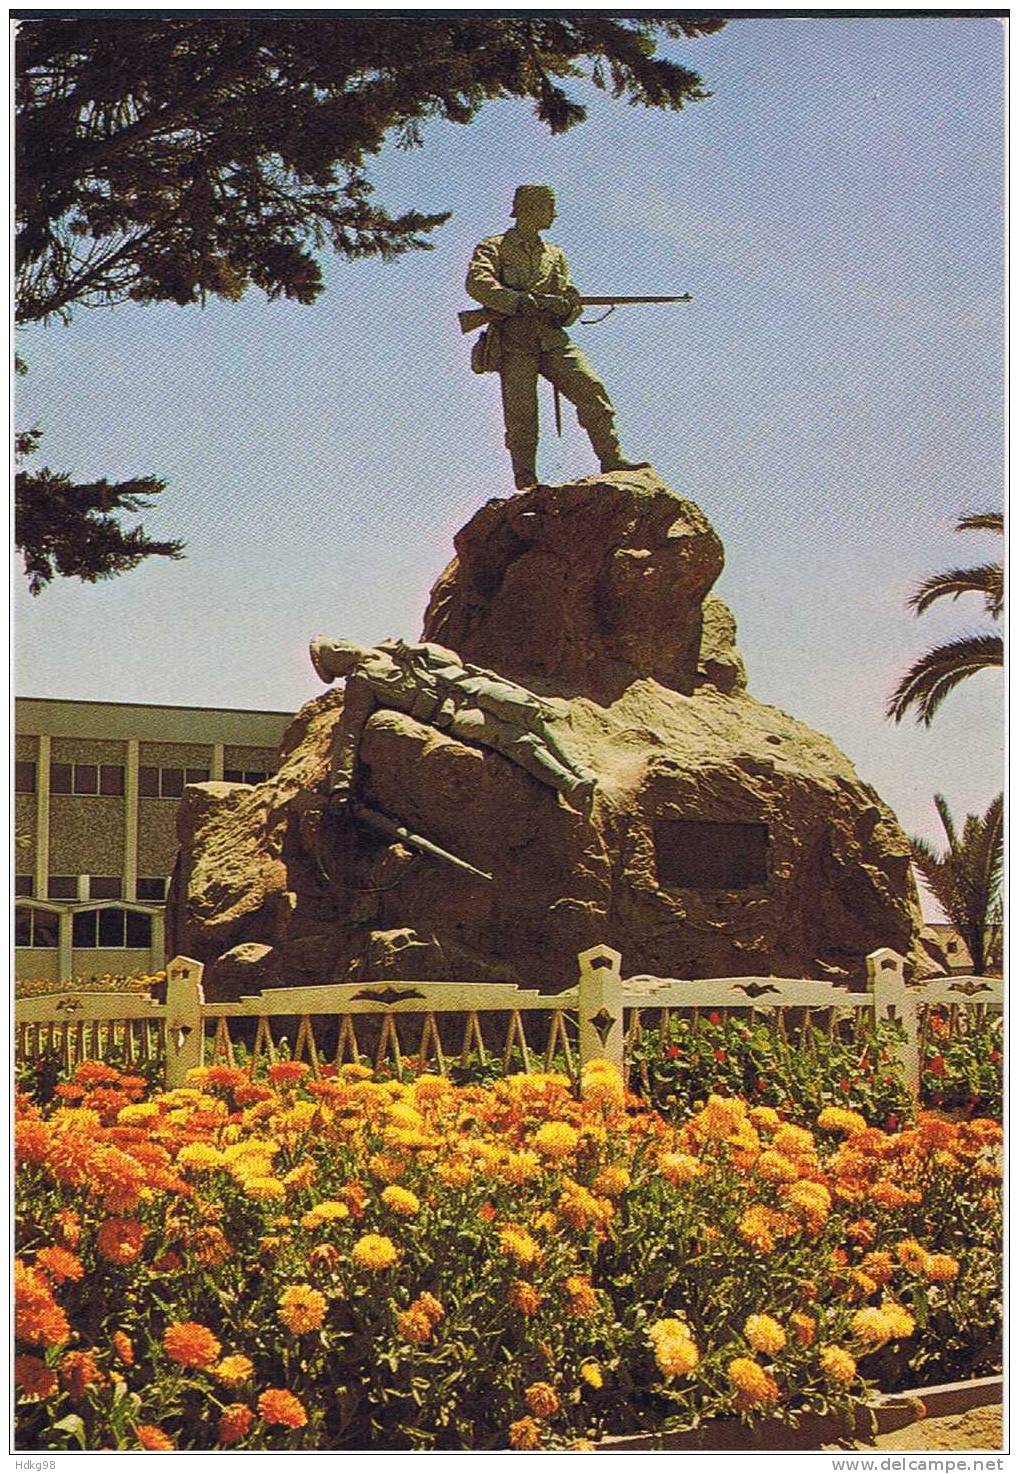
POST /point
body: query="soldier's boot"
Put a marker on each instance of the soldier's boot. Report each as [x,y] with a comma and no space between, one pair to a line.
[605,444]
[524,472]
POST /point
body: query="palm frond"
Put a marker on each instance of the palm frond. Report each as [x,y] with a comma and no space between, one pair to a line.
[965,878]
[947,822]
[981,522]
[926,684]
[987,579]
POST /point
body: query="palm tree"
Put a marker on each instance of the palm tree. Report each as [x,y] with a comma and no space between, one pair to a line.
[965,878]
[938,672]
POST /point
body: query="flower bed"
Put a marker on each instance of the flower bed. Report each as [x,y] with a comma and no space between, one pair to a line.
[348,1263]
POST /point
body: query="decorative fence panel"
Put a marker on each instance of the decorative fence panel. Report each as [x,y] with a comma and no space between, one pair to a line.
[602,1015]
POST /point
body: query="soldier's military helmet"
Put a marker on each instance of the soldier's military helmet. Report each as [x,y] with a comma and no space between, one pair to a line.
[528,192]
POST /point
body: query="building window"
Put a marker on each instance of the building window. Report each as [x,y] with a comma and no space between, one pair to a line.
[699,855]
[112,927]
[87,778]
[24,777]
[247,775]
[105,887]
[62,887]
[24,885]
[151,888]
[34,928]
[168,782]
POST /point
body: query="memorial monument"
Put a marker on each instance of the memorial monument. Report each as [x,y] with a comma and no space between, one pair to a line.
[569,755]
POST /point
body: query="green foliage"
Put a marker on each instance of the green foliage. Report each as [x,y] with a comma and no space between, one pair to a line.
[178,156]
[799,1077]
[926,684]
[965,877]
[73,530]
[961,1069]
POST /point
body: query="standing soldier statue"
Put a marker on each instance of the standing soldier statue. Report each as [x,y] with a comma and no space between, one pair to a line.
[524,283]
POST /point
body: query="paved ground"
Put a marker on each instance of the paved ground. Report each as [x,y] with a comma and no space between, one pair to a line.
[980,1428]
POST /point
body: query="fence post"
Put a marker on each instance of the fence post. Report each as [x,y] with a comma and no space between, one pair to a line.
[183,1029]
[600,1005]
[892,999]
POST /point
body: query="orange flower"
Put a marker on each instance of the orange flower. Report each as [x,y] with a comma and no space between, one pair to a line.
[234,1423]
[191,1344]
[287,1072]
[68,1226]
[39,1320]
[583,1300]
[524,1297]
[542,1399]
[79,1372]
[122,1346]
[751,1383]
[34,1377]
[374,1251]
[941,1268]
[152,1438]
[804,1327]
[837,1365]
[301,1308]
[120,1240]
[525,1433]
[210,1246]
[277,1405]
[414,1326]
[863,1232]
[59,1264]
[764,1334]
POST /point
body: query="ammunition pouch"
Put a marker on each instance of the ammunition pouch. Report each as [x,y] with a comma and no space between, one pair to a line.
[486,352]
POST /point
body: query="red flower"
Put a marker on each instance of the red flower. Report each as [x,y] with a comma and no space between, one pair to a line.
[720,1056]
[844,1085]
[673,1051]
[486,1212]
[714,1017]
[937,1066]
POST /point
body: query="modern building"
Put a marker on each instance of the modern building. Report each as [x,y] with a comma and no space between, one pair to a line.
[96,790]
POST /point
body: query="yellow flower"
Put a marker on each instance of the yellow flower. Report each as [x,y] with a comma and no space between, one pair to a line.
[137,1115]
[233,1370]
[679,1168]
[264,1189]
[591,1373]
[328,1211]
[777,1167]
[765,1119]
[836,1364]
[612,1182]
[764,1334]
[374,1251]
[753,1386]
[518,1244]
[454,1173]
[301,1309]
[542,1399]
[794,1141]
[675,1349]
[810,1199]
[399,1200]
[720,1118]
[431,1088]
[583,1299]
[387,1166]
[524,1297]
[836,1118]
[556,1139]
[199,1157]
[601,1083]
[520,1167]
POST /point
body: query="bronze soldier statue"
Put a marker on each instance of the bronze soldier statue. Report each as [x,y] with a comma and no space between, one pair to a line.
[525,283]
[432,684]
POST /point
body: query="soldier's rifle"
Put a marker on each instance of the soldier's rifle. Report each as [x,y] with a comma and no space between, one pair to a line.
[472,318]
[480,317]
[390,827]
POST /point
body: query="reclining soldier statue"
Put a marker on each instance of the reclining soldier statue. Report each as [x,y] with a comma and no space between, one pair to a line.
[432,684]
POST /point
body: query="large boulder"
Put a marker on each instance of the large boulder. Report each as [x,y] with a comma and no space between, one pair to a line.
[724,837]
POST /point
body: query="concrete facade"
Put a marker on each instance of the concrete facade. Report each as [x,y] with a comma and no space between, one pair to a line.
[96,791]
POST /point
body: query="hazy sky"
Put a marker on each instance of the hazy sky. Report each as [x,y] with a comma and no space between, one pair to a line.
[832,398]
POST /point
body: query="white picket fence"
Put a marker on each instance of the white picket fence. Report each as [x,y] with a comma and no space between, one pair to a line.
[602,1015]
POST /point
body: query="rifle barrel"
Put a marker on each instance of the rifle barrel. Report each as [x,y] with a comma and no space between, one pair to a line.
[626,301]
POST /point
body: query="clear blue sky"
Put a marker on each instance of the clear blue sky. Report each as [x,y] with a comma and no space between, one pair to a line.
[832,398]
